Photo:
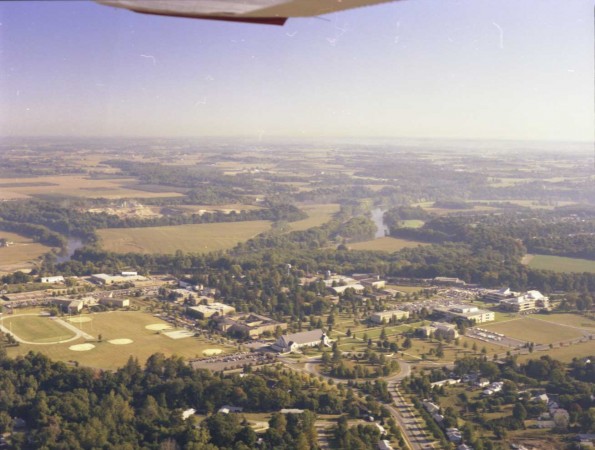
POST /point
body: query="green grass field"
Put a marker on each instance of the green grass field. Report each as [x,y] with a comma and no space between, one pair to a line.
[385,244]
[22,254]
[36,329]
[411,223]
[113,325]
[564,354]
[202,238]
[573,320]
[559,263]
[533,330]
[317,215]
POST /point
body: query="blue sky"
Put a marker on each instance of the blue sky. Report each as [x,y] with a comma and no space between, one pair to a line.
[504,69]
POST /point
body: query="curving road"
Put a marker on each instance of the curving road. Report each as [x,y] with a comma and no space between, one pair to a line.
[412,427]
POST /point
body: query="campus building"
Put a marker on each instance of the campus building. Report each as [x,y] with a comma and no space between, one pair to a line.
[206,311]
[105,279]
[250,325]
[498,295]
[386,316]
[445,330]
[296,341]
[529,302]
[469,312]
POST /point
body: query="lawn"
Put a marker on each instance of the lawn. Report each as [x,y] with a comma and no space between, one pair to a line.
[202,238]
[36,328]
[22,254]
[573,320]
[564,354]
[386,244]
[533,330]
[120,325]
[559,263]
[411,223]
[318,215]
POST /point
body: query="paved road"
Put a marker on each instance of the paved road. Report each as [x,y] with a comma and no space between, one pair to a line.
[412,428]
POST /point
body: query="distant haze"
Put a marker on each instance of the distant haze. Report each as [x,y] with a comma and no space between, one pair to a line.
[479,69]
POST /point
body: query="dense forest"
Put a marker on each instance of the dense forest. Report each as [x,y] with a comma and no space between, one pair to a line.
[141,408]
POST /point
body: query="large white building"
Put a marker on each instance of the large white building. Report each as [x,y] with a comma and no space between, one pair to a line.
[469,312]
[445,330]
[296,341]
[528,302]
[55,279]
[498,295]
[102,278]
[386,316]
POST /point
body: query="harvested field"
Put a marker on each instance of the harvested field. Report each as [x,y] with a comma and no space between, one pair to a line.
[317,215]
[533,330]
[385,244]
[75,186]
[202,238]
[22,254]
[559,263]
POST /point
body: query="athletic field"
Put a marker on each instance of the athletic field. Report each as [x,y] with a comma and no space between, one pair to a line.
[123,334]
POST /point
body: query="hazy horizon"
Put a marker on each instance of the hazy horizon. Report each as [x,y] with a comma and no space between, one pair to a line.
[417,69]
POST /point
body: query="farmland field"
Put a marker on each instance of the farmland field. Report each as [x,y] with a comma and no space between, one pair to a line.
[22,254]
[386,244]
[201,238]
[533,330]
[573,320]
[126,329]
[36,328]
[317,215]
[77,186]
[559,263]
[411,223]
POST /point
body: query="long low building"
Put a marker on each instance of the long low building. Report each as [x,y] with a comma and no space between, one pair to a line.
[296,341]
[213,309]
[250,325]
[115,302]
[445,330]
[498,295]
[103,278]
[469,312]
[55,279]
[387,316]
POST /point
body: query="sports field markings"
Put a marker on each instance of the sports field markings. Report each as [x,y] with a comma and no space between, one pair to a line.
[81,319]
[179,334]
[81,347]
[77,333]
[158,327]
[122,341]
[585,332]
[74,329]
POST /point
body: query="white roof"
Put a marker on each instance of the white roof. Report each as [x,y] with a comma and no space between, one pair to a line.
[305,337]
